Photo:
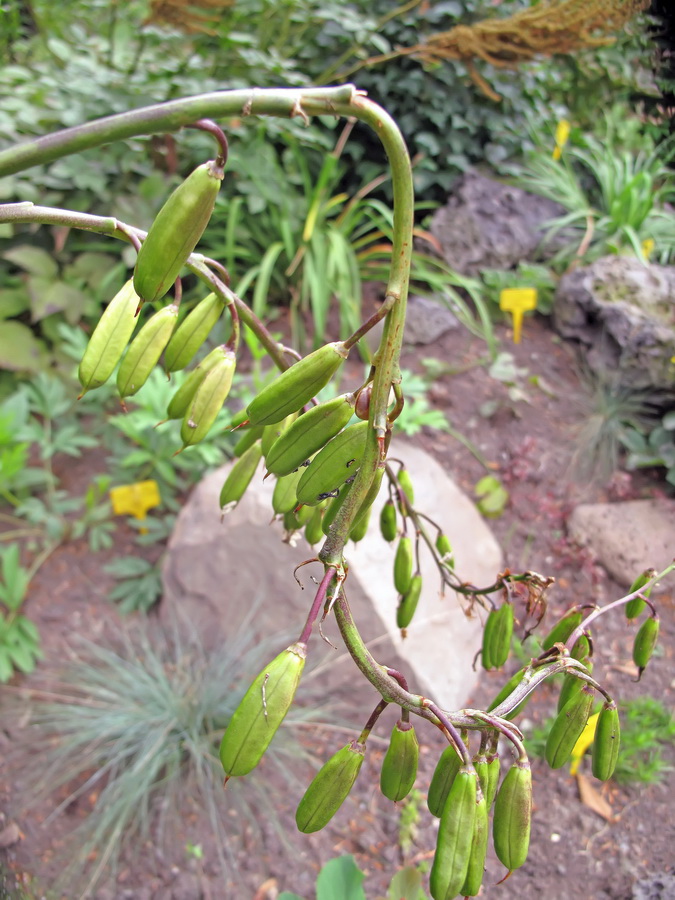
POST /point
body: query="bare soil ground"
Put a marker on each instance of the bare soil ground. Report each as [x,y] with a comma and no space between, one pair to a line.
[575,851]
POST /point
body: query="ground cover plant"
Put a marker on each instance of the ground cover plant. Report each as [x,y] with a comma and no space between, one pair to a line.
[328,470]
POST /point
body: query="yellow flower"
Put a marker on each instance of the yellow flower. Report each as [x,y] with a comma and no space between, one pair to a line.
[647,247]
[562,133]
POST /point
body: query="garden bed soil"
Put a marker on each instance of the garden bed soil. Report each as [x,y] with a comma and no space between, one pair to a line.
[576,851]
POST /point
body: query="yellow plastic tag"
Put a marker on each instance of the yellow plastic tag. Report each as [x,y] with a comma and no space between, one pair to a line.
[135,499]
[517,301]
[586,738]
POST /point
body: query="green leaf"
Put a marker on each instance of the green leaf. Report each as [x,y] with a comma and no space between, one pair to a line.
[48,297]
[340,879]
[33,260]
[22,657]
[20,350]
[6,667]
[406,885]
[13,301]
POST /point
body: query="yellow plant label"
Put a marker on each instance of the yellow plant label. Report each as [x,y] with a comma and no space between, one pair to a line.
[517,301]
[135,499]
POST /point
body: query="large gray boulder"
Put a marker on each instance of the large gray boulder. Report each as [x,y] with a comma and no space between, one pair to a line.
[215,571]
[622,312]
[486,224]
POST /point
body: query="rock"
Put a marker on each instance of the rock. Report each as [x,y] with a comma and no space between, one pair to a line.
[214,573]
[10,835]
[622,314]
[486,224]
[656,887]
[426,320]
[627,537]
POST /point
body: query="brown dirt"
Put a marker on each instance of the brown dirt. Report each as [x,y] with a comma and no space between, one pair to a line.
[575,853]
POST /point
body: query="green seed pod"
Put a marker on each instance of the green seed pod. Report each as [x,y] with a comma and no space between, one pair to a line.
[241,475]
[493,769]
[309,433]
[284,499]
[512,817]
[388,527]
[582,648]
[445,772]
[444,548]
[360,528]
[364,510]
[334,506]
[313,529]
[192,332]
[296,386]
[333,465]
[330,788]
[406,485]
[248,438]
[145,350]
[572,685]
[180,402]
[109,338]
[645,641]
[607,741]
[176,231]
[208,400]
[399,767]
[455,836]
[261,711]
[562,629]
[479,841]
[291,522]
[567,727]
[635,606]
[497,637]
[403,565]
[408,603]
[480,765]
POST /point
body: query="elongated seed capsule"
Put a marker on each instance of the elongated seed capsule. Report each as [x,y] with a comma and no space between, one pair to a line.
[371,495]
[572,685]
[582,648]
[359,529]
[606,742]
[296,386]
[192,332]
[512,816]
[291,522]
[329,788]
[272,433]
[176,231]
[334,505]
[333,465]
[145,351]
[406,485]
[399,766]
[304,514]
[455,835]
[261,711]
[179,403]
[109,338]
[479,842]
[567,727]
[408,602]
[313,529]
[490,625]
[480,765]
[493,769]
[208,400]
[284,499]
[240,476]
[444,547]
[645,641]
[248,438]
[445,772]
[562,629]
[388,527]
[308,434]
[500,635]
[403,565]
[635,606]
